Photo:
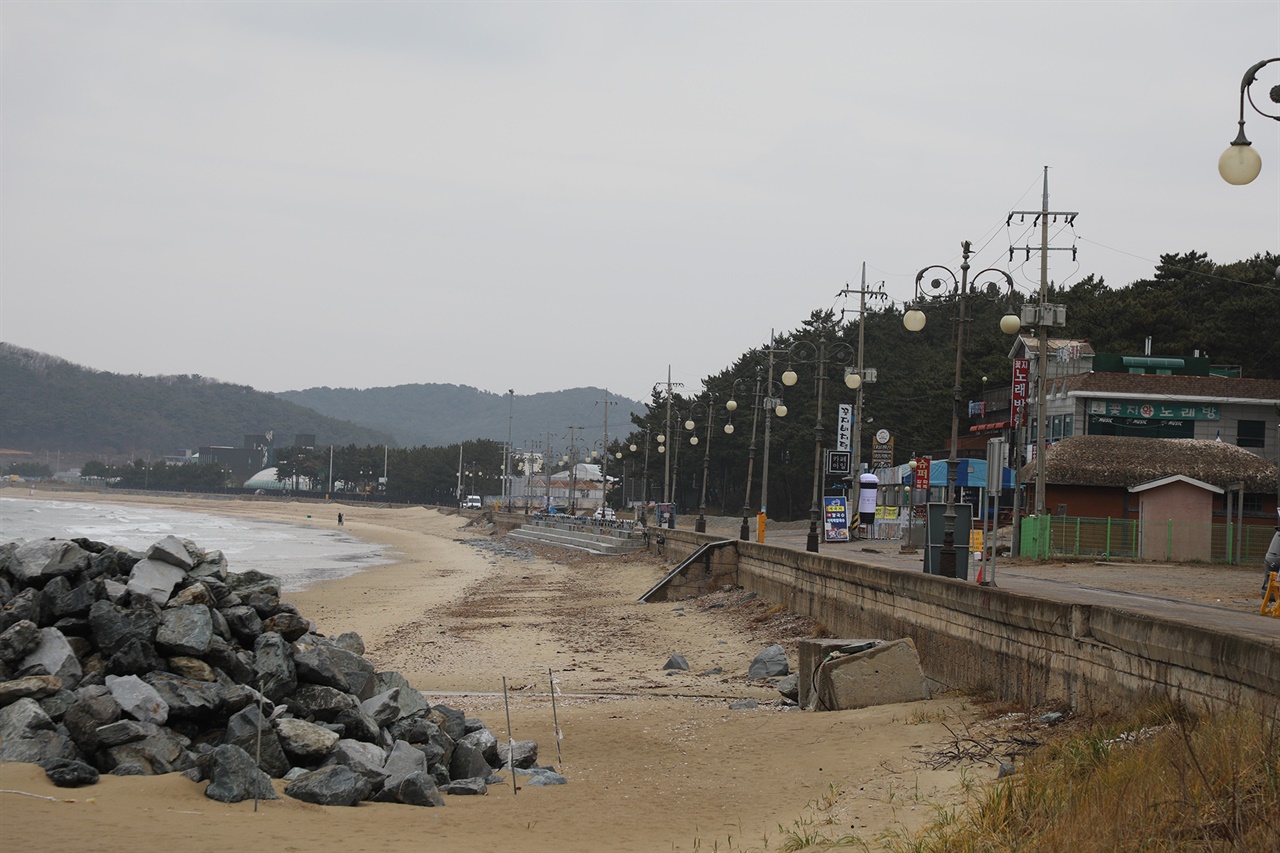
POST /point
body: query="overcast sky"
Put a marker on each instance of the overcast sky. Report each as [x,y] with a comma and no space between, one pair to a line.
[548,195]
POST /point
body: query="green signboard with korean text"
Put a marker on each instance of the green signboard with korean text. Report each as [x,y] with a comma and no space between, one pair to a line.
[1155,409]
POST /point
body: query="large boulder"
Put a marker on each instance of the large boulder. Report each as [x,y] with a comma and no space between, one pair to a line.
[154,579]
[317,666]
[30,687]
[187,699]
[366,759]
[18,640]
[403,761]
[450,720]
[138,699]
[770,663]
[174,551]
[317,702]
[185,630]
[416,789]
[308,743]
[121,732]
[333,785]
[250,731]
[213,565]
[69,772]
[409,700]
[468,762]
[27,734]
[273,665]
[233,777]
[244,622]
[157,754]
[94,707]
[247,583]
[484,741]
[384,708]
[61,600]
[521,754]
[56,656]
[114,626]
[35,563]
[24,606]
[291,626]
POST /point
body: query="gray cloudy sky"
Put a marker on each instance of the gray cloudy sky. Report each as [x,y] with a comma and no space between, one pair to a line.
[548,195]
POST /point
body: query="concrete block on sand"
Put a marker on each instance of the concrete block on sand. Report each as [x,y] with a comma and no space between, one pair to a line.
[884,674]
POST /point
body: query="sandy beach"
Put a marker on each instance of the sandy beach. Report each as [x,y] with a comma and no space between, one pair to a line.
[655,761]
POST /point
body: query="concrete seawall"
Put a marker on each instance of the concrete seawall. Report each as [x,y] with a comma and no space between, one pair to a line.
[1017,647]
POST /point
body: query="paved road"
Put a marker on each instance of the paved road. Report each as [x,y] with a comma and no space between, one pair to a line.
[887,553]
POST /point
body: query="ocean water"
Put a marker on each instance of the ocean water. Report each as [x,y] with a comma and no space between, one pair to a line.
[299,556]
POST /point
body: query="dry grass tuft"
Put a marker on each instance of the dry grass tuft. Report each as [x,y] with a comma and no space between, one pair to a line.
[1162,779]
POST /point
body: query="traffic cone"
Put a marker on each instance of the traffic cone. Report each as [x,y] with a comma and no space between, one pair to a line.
[981,565]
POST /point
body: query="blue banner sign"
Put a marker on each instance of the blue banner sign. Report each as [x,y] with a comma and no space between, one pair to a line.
[835,519]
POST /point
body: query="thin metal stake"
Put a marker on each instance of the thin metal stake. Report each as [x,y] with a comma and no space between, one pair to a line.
[511,744]
[556,719]
[257,789]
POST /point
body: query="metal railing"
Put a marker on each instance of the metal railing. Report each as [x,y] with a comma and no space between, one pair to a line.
[1166,540]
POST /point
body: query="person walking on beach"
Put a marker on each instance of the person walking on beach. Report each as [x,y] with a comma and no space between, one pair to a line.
[339,519]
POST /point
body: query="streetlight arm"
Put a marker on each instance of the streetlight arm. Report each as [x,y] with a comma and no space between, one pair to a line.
[1249,77]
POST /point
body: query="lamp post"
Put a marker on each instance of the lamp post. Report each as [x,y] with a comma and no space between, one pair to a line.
[820,355]
[771,404]
[633,448]
[914,320]
[744,533]
[1240,164]
[707,408]
[910,546]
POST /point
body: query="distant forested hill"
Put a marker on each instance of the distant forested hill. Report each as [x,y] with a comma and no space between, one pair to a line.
[434,414]
[47,403]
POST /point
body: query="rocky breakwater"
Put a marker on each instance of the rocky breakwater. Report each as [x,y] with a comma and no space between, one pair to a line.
[117,662]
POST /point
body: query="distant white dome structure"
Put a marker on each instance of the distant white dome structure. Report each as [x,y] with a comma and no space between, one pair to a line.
[266,480]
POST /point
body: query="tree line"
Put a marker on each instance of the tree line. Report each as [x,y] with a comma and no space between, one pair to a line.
[1231,312]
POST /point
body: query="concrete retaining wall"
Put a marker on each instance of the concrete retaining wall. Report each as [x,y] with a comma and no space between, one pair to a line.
[1018,647]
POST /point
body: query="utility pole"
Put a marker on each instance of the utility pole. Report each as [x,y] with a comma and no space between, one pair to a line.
[771,404]
[865,375]
[604,454]
[506,457]
[1042,316]
[547,466]
[573,473]
[666,431]
[666,434]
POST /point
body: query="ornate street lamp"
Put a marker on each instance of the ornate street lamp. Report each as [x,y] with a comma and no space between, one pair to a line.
[1240,164]
[774,393]
[914,320]
[698,407]
[819,354]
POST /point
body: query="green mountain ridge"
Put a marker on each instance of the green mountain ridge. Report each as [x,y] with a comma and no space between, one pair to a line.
[48,403]
[436,414]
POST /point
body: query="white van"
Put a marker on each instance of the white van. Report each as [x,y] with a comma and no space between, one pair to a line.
[472,502]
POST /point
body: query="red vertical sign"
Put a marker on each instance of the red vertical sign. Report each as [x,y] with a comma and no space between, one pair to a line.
[1021,372]
[922,475]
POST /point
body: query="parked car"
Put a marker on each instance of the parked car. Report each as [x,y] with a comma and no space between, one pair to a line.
[472,502]
[605,513]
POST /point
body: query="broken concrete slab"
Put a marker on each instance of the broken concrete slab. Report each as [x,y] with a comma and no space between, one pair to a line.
[863,673]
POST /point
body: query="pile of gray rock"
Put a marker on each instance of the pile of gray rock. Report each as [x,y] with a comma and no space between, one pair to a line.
[119,662]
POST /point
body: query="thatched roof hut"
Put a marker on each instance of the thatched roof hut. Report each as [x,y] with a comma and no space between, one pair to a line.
[1125,461]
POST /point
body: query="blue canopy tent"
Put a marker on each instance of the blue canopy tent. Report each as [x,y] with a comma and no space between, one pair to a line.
[970,474]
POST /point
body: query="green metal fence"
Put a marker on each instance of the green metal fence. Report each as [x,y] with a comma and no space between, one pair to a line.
[1064,536]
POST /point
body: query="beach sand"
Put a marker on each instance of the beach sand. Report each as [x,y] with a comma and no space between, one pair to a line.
[654,761]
